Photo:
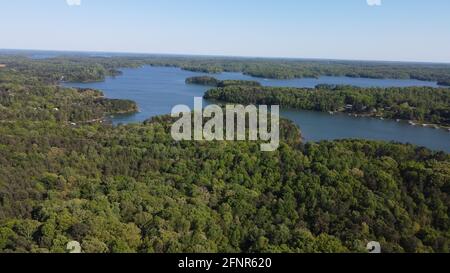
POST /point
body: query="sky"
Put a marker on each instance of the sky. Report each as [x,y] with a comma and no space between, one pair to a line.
[395,30]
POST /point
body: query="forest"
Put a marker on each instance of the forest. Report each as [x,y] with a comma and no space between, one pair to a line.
[424,105]
[30,99]
[132,188]
[84,68]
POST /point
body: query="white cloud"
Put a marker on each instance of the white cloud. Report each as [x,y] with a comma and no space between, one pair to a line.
[73,2]
[374,2]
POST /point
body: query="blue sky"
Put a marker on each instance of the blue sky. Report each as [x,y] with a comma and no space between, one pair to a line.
[404,30]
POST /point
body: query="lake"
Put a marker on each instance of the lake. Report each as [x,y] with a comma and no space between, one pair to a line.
[158,89]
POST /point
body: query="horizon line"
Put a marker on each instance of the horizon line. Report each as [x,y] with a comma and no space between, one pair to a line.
[227,56]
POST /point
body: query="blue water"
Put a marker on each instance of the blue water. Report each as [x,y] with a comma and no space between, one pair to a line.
[158,89]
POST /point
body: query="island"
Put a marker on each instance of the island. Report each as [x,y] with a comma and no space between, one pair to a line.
[203,80]
[211,81]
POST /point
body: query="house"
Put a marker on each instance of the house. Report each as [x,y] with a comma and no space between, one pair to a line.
[349,107]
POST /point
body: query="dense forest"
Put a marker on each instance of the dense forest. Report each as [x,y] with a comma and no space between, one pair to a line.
[30,99]
[83,68]
[132,188]
[70,69]
[421,104]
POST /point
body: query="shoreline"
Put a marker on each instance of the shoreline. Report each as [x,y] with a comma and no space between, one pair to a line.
[414,123]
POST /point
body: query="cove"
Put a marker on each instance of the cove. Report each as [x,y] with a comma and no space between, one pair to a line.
[158,89]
